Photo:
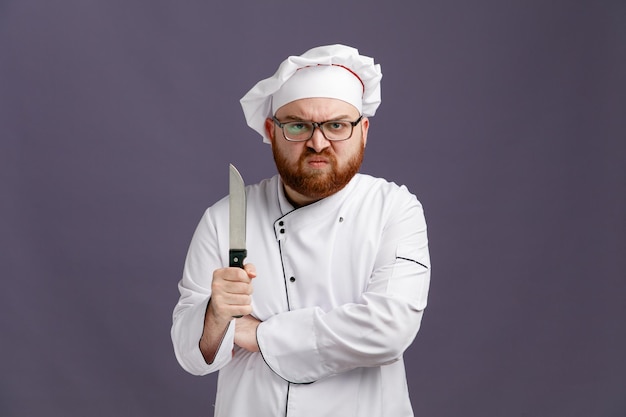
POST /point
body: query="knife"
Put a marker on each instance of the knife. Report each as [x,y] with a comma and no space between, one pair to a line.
[237,220]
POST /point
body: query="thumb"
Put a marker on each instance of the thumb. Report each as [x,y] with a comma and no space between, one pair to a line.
[250,270]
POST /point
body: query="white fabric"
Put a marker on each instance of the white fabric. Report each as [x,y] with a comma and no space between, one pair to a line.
[328,81]
[332,340]
[257,103]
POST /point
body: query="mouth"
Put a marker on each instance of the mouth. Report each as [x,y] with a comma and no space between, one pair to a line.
[317,162]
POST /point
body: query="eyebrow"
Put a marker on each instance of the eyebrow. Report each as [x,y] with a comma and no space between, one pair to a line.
[300,119]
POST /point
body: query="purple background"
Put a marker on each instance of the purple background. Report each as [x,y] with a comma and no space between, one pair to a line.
[118,119]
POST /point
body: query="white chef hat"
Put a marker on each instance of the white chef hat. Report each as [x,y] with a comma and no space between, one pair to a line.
[333,71]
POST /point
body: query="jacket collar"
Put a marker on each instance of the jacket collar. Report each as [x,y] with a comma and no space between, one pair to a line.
[315,212]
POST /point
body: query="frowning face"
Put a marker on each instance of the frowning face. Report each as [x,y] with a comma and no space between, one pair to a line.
[316,168]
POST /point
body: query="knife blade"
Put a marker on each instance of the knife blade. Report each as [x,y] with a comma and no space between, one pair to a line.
[237,220]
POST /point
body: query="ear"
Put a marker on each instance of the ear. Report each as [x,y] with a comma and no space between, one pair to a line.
[365,126]
[269,129]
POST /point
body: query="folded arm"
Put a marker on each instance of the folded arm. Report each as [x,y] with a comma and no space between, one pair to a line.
[308,344]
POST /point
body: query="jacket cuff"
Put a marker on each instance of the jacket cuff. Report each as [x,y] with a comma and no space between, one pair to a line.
[289,347]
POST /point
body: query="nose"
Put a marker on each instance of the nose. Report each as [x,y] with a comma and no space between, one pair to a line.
[318,142]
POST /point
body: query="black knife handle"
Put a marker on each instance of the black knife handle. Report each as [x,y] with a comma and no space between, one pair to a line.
[235,259]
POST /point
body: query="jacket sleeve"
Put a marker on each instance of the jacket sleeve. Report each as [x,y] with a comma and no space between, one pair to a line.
[202,259]
[305,345]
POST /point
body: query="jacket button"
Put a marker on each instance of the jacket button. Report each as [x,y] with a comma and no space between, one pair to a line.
[281,223]
[282,230]
[292,279]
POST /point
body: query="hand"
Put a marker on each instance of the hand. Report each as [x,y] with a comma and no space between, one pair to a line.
[231,291]
[231,296]
[245,333]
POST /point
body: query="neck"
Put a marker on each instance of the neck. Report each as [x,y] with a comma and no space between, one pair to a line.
[296,199]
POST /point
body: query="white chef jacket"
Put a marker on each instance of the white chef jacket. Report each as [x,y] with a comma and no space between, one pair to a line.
[341,287]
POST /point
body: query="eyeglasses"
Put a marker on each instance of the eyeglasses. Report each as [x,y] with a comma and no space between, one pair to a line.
[333,130]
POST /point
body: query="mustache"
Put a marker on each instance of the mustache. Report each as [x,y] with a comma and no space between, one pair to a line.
[311,151]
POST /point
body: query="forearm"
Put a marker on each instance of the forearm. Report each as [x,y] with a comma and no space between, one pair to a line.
[306,345]
[212,335]
[202,344]
[187,329]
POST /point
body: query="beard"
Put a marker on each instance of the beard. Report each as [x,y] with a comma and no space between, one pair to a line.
[317,184]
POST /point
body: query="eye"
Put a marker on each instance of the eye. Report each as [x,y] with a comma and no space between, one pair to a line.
[337,125]
[297,128]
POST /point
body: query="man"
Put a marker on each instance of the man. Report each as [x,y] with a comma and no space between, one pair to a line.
[338,267]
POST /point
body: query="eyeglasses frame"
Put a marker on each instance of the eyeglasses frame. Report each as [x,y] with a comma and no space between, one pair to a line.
[316,125]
